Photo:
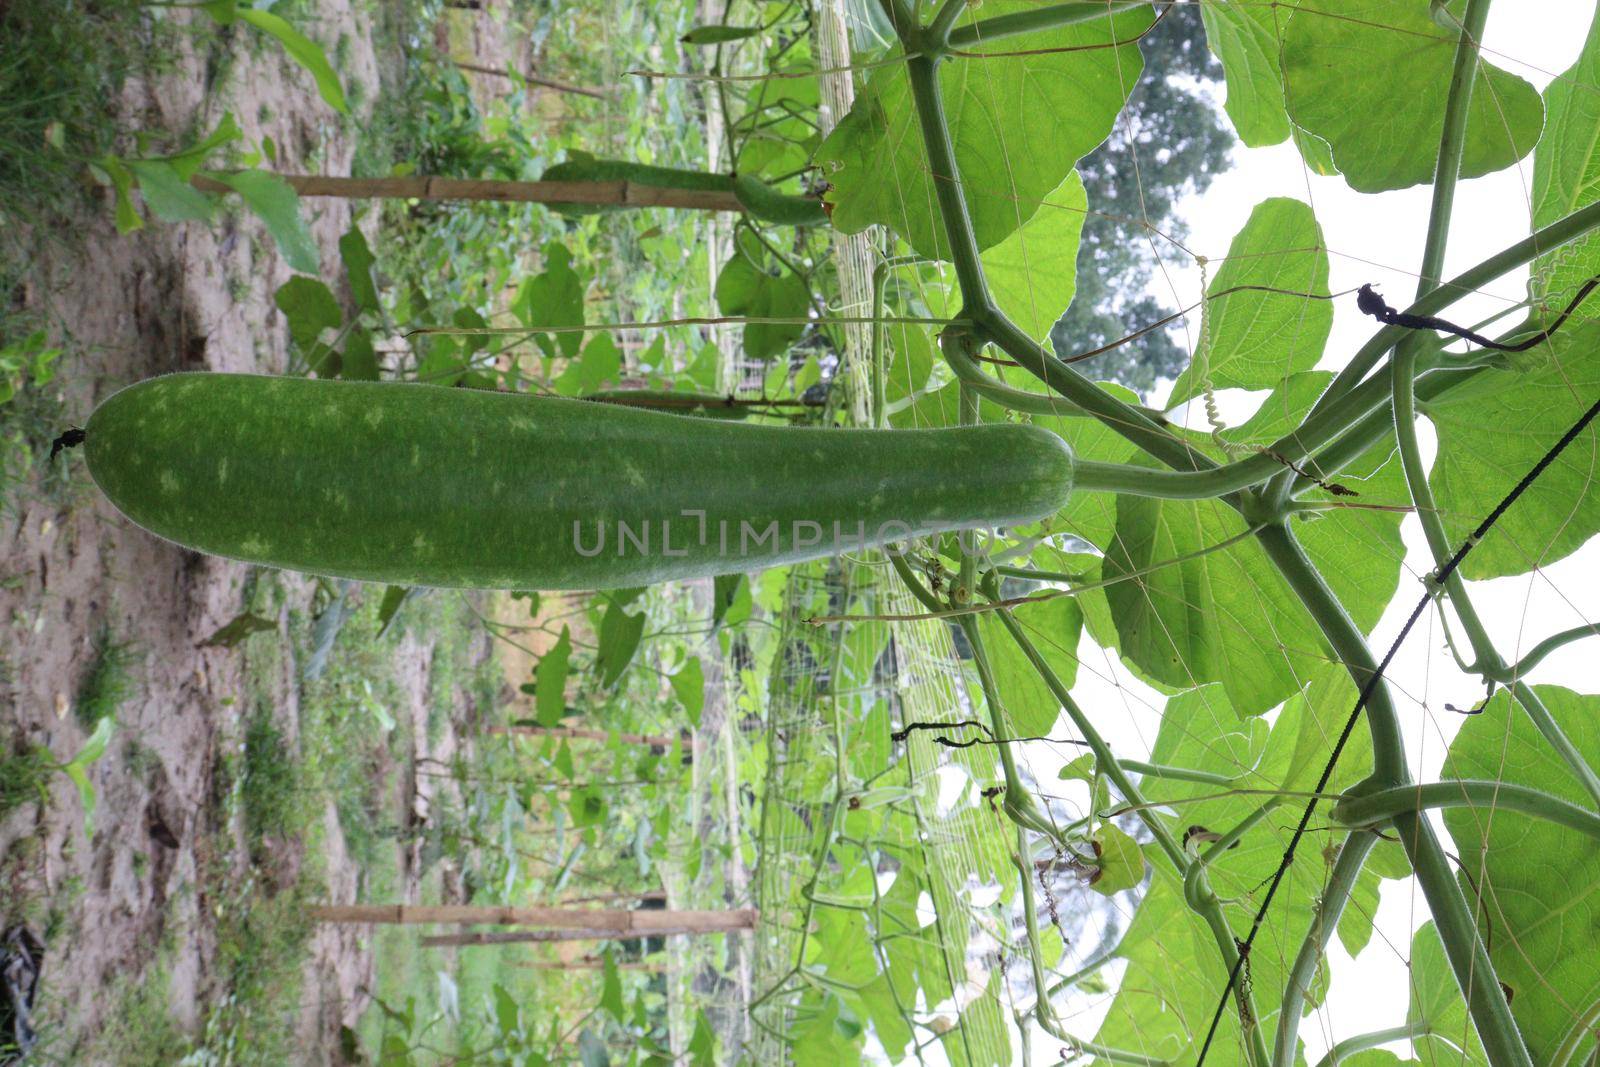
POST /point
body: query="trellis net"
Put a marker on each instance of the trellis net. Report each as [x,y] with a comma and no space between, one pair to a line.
[885,873]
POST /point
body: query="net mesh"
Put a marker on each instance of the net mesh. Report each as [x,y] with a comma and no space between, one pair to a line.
[878,850]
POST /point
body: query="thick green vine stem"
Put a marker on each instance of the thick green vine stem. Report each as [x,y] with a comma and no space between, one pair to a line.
[1341,882]
[958,346]
[1537,653]
[1176,774]
[1204,903]
[1369,808]
[1361,1042]
[923,73]
[1403,374]
[1046,17]
[1453,918]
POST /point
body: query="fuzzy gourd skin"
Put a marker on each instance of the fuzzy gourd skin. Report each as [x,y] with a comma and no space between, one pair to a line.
[432,486]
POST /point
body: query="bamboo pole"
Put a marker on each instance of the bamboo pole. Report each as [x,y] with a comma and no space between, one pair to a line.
[589,963]
[422,187]
[589,735]
[601,898]
[607,921]
[534,79]
[519,937]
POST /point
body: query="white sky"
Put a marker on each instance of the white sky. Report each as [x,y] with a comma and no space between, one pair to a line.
[1535,39]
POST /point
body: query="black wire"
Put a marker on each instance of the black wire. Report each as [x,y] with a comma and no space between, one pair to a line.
[1367,690]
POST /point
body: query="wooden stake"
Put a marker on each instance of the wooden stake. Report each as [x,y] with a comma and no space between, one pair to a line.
[589,963]
[607,921]
[589,734]
[421,187]
[518,937]
[534,79]
[603,898]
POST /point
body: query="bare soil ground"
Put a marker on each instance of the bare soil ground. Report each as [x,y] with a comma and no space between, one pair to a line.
[135,912]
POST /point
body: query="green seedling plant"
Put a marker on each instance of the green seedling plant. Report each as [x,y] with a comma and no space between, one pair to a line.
[27,774]
[1239,571]
[179,187]
[29,361]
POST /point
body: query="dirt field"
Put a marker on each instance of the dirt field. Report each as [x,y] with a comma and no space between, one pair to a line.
[160,926]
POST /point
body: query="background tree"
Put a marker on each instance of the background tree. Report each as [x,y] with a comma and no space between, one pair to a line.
[1169,143]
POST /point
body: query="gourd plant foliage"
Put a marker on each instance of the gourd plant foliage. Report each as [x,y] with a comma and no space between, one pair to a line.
[1229,570]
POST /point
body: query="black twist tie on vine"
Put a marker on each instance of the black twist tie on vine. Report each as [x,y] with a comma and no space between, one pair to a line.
[1370,303]
[71,439]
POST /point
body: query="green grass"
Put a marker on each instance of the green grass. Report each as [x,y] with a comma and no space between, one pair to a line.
[109,682]
[24,777]
[270,787]
[140,1028]
[29,421]
[277,793]
[255,988]
[261,942]
[64,59]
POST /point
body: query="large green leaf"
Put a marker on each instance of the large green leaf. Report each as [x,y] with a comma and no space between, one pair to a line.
[358,261]
[611,990]
[1537,884]
[1255,339]
[745,288]
[553,297]
[1053,627]
[168,193]
[1436,1003]
[821,1038]
[1566,176]
[1018,123]
[1227,616]
[690,686]
[550,681]
[620,633]
[305,52]
[1371,77]
[310,307]
[1246,38]
[1175,974]
[599,362]
[1121,861]
[276,203]
[1491,433]
[1034,272]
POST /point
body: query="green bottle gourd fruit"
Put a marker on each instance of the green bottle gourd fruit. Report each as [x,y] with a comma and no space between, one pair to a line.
[425,485]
